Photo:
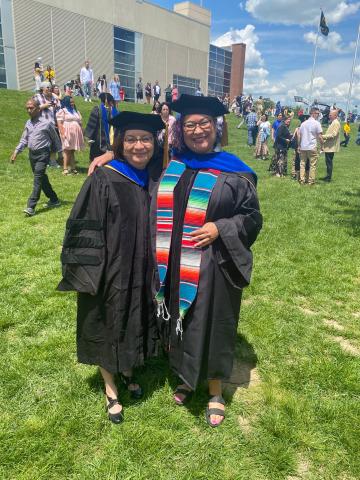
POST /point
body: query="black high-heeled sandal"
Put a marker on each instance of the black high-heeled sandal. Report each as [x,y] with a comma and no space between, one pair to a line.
[138,392]
[114,417]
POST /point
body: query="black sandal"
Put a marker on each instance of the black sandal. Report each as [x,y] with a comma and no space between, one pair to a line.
[138,392]
[114,417]
[215,411]
[182,391]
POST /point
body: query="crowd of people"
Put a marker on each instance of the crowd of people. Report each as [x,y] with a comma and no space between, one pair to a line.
[51,105]
[307,140]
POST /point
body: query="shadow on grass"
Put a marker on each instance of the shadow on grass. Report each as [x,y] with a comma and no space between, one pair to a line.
[151,377]
[82,170]
[156,373]
[347,212]
[244,363]
[44,209]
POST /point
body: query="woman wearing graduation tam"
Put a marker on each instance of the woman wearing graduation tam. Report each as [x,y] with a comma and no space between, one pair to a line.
[205,218]
[107,259]
[98,129]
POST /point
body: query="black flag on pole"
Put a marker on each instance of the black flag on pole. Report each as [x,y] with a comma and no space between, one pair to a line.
[323,27]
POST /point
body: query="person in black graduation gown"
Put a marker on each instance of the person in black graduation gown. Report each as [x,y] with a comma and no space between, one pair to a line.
[98,128]
[203,345]
[106,258]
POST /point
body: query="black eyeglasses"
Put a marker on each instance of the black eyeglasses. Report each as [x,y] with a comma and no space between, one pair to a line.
[203,124]
[146,140]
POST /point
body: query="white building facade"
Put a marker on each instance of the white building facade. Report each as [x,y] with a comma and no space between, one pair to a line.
[131,38]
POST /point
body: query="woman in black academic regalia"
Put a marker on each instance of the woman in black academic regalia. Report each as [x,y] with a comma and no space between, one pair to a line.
[202,270]
[216,219]
[106,259]
[98,129]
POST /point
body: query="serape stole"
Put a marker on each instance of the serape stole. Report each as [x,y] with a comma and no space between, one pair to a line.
[164,227]
[195,215]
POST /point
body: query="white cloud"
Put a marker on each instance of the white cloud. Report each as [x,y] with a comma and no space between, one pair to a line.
[246,35]
[341,90]
[333,42]
[276,89]
[292,92]
[255,80]
[318,83]
[329,85]
[293,12]
[342,11]
[257,72]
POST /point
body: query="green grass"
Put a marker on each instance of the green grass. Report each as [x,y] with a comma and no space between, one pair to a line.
[297,418]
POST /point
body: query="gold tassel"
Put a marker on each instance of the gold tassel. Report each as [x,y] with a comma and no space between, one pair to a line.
[225,136]
[166,147]
[111,135]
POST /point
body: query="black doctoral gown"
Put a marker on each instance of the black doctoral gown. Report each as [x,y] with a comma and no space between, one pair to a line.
[206,349]
[95,131]
[107,259]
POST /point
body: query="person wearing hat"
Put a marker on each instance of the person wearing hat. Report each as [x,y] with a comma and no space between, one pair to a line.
[98,130]
[106,258]
[204,219]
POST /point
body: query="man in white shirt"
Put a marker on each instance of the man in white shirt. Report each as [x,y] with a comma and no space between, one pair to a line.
[87,80]
[310,134]
[156,91]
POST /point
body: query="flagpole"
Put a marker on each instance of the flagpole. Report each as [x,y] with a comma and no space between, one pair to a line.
[352,75]
[313,68]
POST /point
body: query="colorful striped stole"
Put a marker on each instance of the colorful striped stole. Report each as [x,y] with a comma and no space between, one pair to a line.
[164,227]
[195,215]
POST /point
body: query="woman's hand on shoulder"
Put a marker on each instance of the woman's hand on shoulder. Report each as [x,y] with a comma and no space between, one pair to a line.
[205,235]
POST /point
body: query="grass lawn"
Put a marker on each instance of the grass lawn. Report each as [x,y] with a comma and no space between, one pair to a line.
[293,402]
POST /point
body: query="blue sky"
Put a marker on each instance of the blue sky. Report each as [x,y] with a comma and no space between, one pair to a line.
[280,36]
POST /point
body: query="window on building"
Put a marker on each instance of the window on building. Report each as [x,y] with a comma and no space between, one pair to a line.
[3,83]
[124,60]
[186,84]
[219,71]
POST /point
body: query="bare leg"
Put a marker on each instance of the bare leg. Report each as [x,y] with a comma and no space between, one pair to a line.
[72,163]
[215,389]
[66,160]
[110,389]
[241,121]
